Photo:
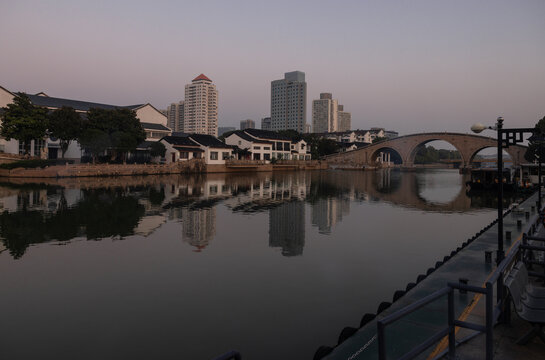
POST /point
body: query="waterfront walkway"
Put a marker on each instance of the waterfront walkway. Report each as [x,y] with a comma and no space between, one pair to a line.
[468,263]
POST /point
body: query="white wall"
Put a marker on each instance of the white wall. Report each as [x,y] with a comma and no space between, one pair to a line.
[148,114]
[220,160]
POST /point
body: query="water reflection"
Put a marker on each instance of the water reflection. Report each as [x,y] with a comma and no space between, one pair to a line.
[62,210]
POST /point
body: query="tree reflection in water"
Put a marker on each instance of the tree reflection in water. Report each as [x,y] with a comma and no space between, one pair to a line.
[100,213]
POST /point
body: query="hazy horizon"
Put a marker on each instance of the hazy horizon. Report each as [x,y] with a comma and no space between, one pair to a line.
[405,66]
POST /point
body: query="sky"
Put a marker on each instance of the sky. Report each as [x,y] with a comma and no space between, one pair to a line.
[408,66]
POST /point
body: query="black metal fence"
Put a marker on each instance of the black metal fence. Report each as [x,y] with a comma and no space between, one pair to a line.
[521,251]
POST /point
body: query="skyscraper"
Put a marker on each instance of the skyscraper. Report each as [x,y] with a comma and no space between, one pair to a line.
[201,107]
[345,119]
[266,123]
[247,124]
[288,102]
[324,114]
[175,116]
[328,115]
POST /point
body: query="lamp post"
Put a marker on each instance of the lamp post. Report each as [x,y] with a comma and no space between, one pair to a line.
[506,137]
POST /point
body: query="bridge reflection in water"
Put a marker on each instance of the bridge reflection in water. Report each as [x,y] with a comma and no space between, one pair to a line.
[61,210]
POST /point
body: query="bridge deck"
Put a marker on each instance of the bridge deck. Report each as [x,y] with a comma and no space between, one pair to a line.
[468,263]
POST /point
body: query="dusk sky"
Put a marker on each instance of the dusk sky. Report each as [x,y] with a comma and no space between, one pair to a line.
[408,66]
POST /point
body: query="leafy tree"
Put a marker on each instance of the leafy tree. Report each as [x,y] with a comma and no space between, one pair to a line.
[536,147]
[23,121]
[379,138]
[326,147]
[158,149]
[65,124]
[117,130]
[429,155]
[94,141]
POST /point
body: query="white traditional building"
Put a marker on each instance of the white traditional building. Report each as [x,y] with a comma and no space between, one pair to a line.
[183,147]
[153,122]
[267,145]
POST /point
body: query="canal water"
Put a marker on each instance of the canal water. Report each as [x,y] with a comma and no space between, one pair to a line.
[189,267]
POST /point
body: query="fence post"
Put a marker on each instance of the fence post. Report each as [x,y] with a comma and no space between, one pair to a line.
[489,321]
[451,333]
[381,341]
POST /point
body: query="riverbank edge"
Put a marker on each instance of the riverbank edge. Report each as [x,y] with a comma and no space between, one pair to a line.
[189,167]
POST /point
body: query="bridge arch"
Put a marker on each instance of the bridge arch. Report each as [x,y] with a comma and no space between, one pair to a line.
[395,156]
[412,152]
[509,151]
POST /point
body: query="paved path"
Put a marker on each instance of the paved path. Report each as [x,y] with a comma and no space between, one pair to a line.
[468,263]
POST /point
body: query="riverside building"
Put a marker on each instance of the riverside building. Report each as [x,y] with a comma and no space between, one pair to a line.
[288,102]
[201,107]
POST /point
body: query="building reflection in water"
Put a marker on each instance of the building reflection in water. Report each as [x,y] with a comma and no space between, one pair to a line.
[326,213]
[140,206]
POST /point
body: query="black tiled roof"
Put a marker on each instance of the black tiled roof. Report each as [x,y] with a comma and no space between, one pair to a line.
[265,134]
[54,102]
[187,148]
[243,135]
[179,140]
[208,140]
[153,126]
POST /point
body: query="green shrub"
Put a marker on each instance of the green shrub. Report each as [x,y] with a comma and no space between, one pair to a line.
[28,164]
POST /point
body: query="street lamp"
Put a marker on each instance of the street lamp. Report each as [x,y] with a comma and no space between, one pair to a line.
[506,137]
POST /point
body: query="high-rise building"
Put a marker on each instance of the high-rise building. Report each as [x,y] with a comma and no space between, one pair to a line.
[328,115]
[175,116]
[247,124]
[288,102]
[324,114]
[201,107]
[266,123]
[345,119]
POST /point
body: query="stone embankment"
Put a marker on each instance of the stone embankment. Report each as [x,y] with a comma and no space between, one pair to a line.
[186,167]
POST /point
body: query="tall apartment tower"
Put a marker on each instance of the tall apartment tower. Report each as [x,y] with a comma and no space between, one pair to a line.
[325,114]
[288,102]
[247,124]
[175,116]
[201,107]
[329,116]
[345,119]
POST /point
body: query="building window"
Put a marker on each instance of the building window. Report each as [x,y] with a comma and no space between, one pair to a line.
[225,155]
[213,155]
[266,157]
[196,155]
[257,147]
[286,146]
[184,155]
[257,156]
[267,148]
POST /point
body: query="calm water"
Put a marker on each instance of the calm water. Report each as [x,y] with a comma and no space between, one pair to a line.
[272,264]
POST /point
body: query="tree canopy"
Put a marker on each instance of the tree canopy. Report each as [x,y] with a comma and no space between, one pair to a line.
[536,146]
[64,124]
[117,130]
[23,121]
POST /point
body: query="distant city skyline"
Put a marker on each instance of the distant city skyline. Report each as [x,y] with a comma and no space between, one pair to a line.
[425,66]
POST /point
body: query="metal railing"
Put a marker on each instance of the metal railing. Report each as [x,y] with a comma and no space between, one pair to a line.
[501,310]
[452,323]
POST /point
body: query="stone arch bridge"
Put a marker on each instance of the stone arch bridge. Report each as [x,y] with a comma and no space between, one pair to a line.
[406,147]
